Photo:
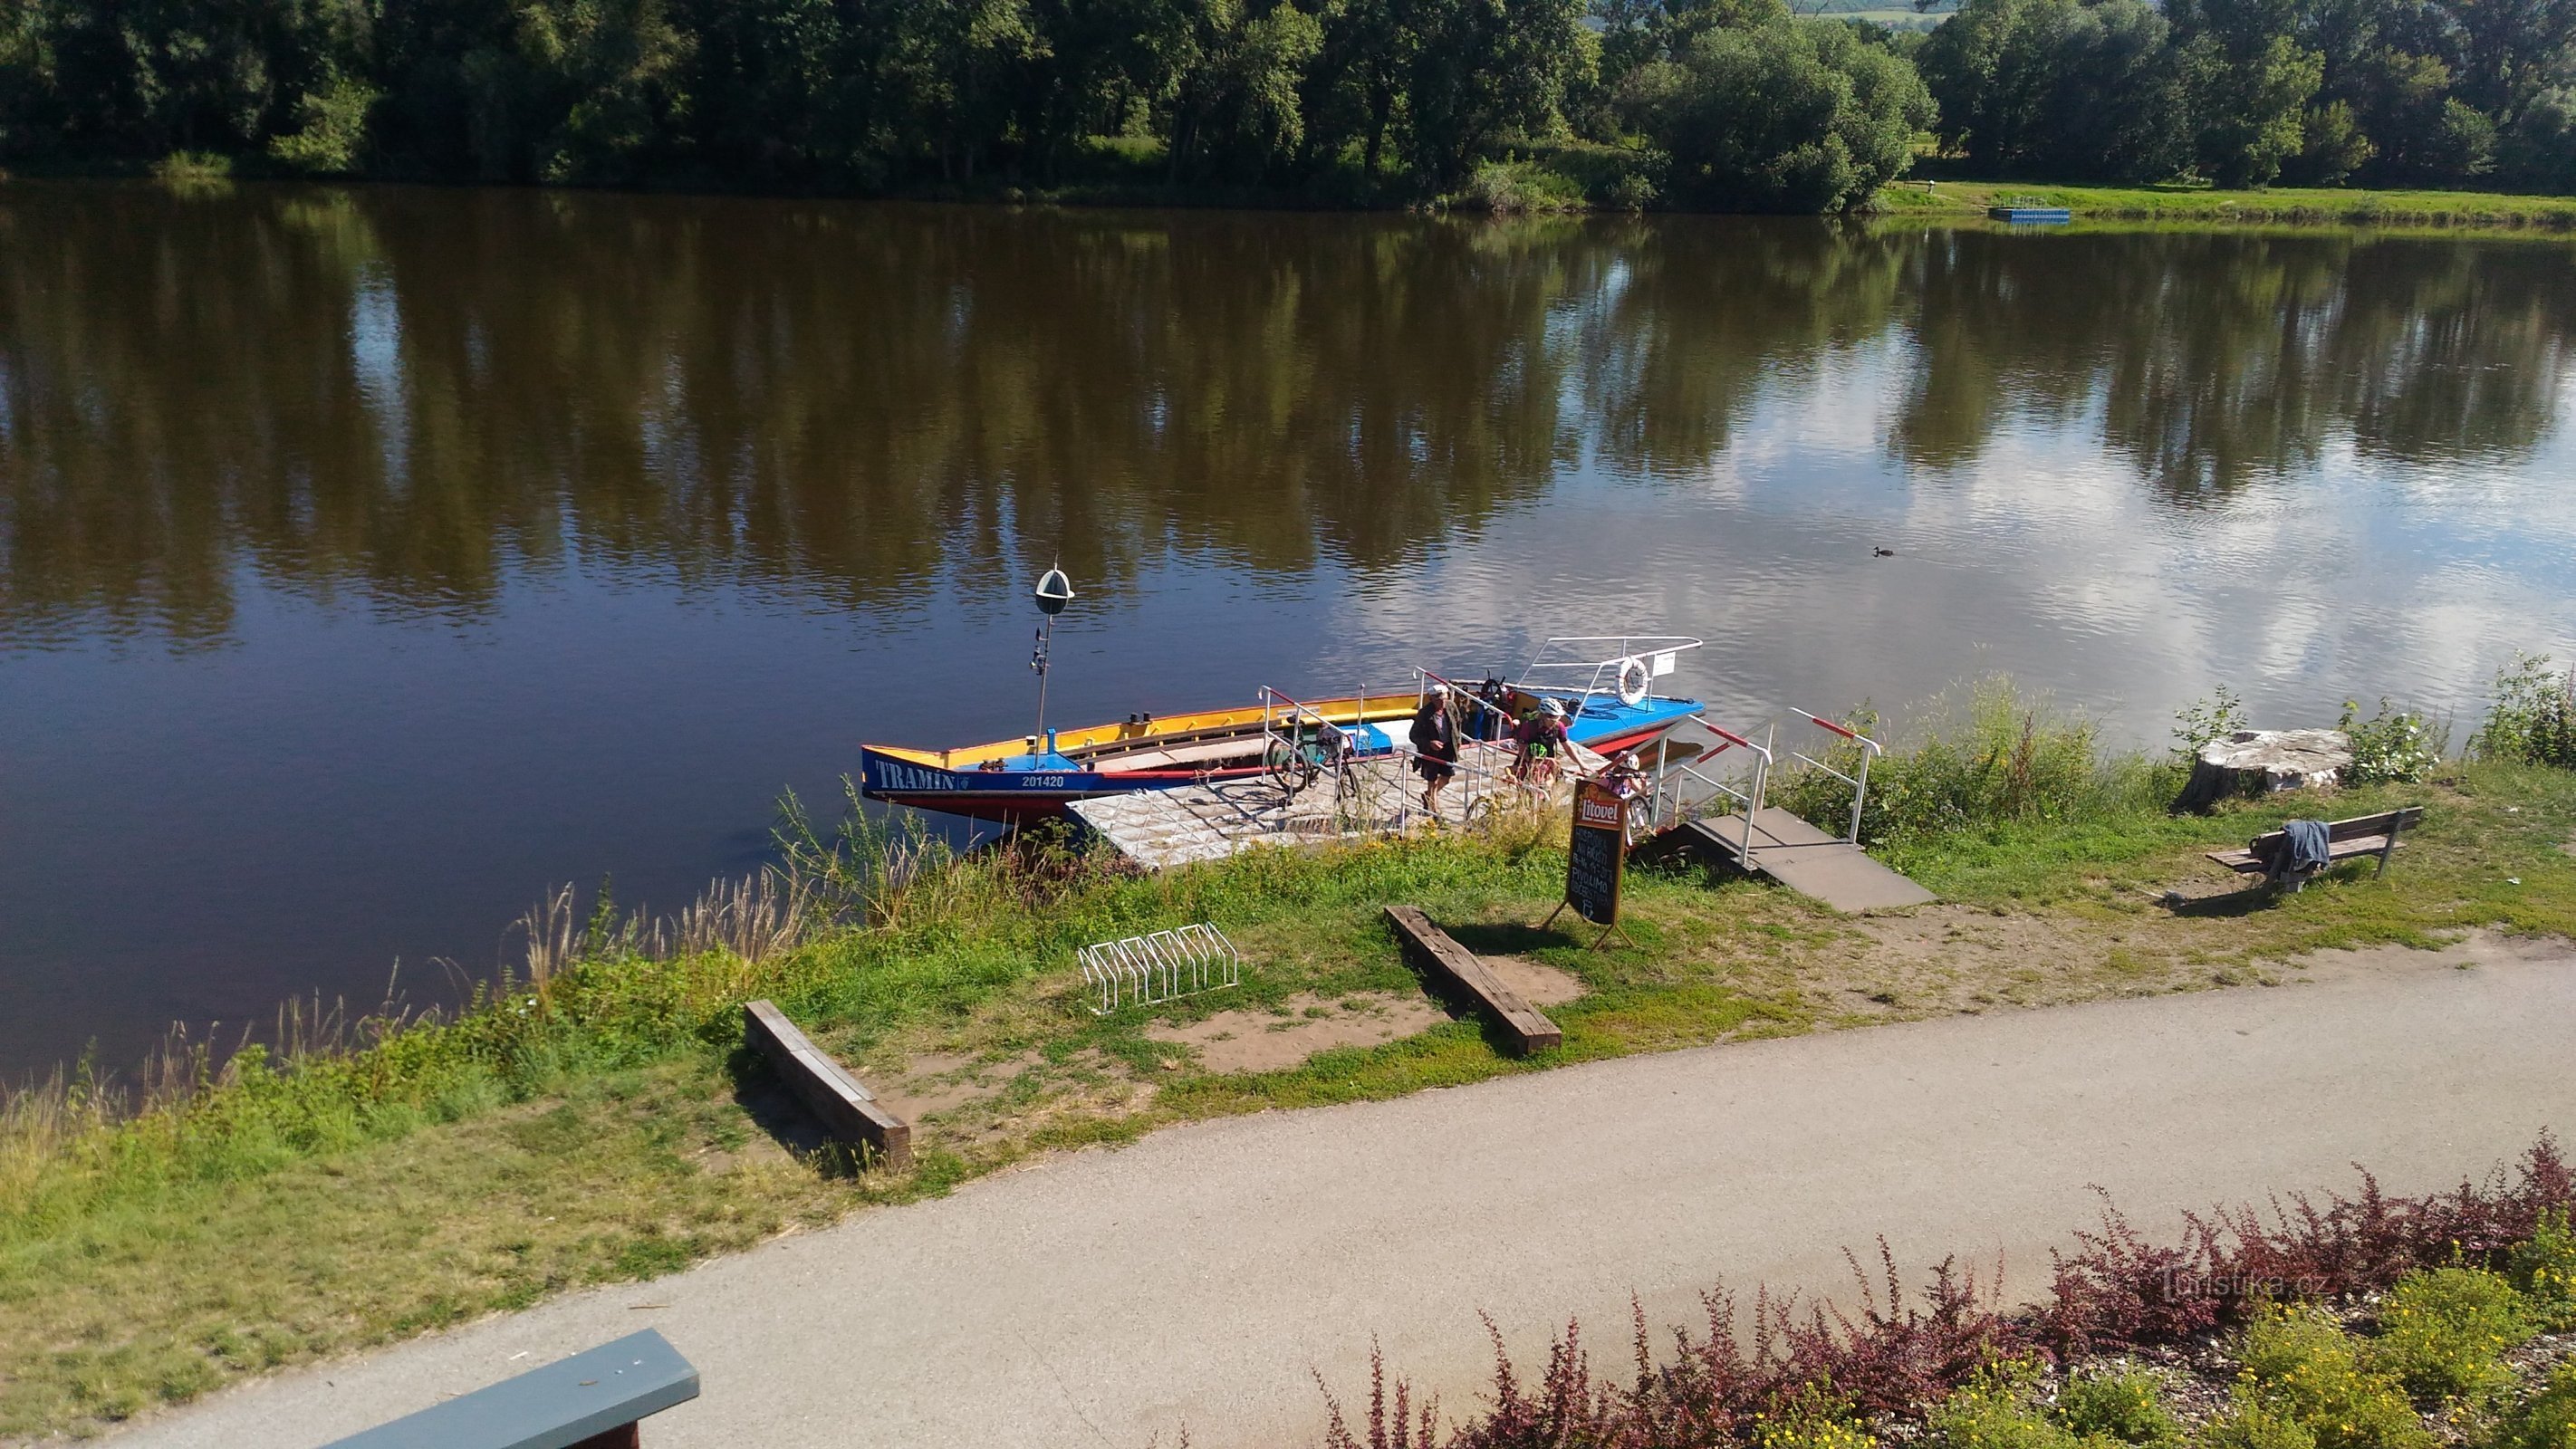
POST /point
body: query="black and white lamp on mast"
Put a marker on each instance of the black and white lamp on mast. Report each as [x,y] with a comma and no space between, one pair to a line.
[1053,592]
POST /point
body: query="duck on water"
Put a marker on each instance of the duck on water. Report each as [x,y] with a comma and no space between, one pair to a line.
[1603,682]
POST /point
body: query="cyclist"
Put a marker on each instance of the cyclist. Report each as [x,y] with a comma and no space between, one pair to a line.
[1435,744]
[1542,740]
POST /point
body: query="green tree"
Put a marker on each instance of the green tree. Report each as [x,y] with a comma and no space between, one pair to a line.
[2060,88]
[1787,116]
[1482,70]
[2250,83]
[1236,114]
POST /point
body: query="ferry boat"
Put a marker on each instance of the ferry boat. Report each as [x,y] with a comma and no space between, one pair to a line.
[1604,684]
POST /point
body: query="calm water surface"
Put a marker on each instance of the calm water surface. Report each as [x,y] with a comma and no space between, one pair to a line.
[371,559]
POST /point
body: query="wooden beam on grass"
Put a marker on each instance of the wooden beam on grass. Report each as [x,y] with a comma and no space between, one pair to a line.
[848,1111]
[1455,964]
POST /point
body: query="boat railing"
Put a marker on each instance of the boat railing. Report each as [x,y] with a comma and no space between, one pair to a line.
[1621,666]
[1679,787]
[1869,750]
[1477,705]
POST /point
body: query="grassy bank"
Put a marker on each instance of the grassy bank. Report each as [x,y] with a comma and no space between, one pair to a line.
[2202,205]
[594,1121]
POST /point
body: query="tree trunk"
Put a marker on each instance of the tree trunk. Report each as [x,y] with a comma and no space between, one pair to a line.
[2260,762]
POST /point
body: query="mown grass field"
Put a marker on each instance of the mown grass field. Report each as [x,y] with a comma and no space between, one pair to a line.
[2201,205]
[604,1126]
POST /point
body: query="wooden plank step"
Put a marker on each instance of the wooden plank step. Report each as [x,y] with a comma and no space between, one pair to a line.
[847,1110]
[1528,1026]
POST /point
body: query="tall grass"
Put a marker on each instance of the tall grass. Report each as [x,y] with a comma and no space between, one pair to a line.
[1987,755]
[861,927]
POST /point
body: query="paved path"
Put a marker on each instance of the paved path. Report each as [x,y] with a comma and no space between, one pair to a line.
[1195,1277]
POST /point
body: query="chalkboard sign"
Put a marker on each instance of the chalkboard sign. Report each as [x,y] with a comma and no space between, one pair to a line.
[1597,855]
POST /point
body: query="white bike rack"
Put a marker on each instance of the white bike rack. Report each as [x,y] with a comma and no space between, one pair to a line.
[1165,966]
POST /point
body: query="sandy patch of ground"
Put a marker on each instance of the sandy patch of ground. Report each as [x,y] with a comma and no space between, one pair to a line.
[1538,985]
[936,1082]
[1267,1041]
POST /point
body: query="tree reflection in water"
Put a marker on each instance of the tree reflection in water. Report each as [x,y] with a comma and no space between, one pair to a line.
[403,396]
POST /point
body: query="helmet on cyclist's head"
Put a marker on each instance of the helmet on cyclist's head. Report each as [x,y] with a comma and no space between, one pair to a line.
[1553,709]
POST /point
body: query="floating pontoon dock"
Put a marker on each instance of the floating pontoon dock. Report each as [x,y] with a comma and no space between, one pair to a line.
[1376,796]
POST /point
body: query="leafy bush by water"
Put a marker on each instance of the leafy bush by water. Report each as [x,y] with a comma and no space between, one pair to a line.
[2533,716]
[2392,746]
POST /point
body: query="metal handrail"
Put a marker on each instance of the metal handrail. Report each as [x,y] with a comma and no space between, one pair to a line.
[1272,700]
[1752,802]
[1870,750]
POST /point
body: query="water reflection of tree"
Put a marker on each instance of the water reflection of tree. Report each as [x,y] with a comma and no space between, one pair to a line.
[2214,361]
[410,395]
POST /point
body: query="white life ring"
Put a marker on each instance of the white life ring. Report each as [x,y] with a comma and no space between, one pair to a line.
[1633,679]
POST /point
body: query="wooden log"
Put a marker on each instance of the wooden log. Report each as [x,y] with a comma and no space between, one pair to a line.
[847,1110]
[1455,964]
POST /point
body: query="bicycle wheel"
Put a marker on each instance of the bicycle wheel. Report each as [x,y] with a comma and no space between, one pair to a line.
[1291,767]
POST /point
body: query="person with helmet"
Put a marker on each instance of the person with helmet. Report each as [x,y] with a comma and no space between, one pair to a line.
[1626,778]
[1435,744]
[1541,737]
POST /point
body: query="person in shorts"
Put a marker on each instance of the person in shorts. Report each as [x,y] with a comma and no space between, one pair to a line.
[1541,736]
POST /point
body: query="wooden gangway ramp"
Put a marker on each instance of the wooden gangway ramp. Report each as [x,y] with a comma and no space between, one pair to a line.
[1805,859]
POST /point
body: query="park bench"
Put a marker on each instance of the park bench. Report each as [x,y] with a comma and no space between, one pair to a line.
[2363,835]
[592,1400]
[846,1109]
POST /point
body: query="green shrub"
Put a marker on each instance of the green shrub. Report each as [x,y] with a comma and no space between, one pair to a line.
[2443,1333]
[2249,1425]
[2302,1368]
[2393,745]
[2533,718]
[2124,1405]
[2204,720]
[1814,1418]
[2544,1269]
[2549,1420]
[1992,1412]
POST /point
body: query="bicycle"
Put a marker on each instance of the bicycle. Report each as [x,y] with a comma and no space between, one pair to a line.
[1300,759]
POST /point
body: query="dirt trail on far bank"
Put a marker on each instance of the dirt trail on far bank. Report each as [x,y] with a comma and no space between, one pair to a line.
[1109,1297]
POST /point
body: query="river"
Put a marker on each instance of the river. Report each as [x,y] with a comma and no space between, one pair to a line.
[371,559]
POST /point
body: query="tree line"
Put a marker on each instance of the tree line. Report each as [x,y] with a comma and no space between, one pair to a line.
[1733,104]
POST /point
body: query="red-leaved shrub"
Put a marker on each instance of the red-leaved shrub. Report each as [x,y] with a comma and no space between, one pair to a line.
[1894,1361]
